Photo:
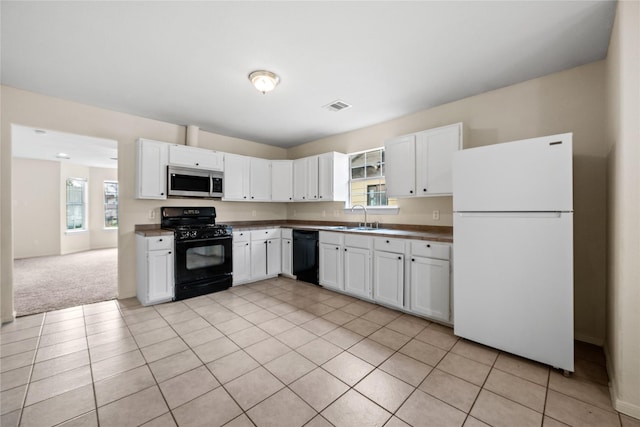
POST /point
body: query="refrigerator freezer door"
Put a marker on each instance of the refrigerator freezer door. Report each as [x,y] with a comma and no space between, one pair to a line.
[529,175]
[513,283]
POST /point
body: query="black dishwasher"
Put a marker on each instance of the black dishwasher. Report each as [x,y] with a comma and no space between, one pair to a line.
[305,255]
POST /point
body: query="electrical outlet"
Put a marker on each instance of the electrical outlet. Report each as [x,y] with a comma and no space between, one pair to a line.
[152,214]
[324,213]
[336,213]
[295,212]
[253,213]
[436,215]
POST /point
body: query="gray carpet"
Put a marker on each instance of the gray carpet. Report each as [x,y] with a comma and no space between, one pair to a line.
[57,282]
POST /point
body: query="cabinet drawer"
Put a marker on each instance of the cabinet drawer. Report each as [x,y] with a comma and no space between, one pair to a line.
[429,249]
[389,245]
[331,238]
[271,233]
[355,241]
[241,236]
[159,243]
[287,233]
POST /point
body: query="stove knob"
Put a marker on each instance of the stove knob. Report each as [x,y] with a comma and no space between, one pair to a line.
[194,233]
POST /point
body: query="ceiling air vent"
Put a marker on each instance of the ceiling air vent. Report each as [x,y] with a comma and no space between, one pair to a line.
[337,105]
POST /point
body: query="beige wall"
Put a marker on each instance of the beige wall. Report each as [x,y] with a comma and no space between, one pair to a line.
[100,238]
[39,220]
[623,137]
[569,101]
[36,204]
[36,110]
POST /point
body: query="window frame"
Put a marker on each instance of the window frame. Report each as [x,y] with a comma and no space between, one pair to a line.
[104,204]
[377,210]
[84,204]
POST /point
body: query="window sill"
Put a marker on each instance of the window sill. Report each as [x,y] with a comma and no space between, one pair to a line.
[380,210]
[76,231]
[110,228]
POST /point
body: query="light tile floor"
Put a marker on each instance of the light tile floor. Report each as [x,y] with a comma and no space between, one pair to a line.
[279,353]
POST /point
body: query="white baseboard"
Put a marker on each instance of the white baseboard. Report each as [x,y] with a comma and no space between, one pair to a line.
[9,319]
[621,406]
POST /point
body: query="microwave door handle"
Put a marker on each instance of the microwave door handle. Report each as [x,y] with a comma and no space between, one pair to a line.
[210,185]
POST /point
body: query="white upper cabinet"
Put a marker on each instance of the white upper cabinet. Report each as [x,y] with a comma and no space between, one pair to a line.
[151,171]
[260,179]
[324,177]
[400,166]
[333,177]
[236,177]
[305,179]
[420,164]
[194,157]
[282,180]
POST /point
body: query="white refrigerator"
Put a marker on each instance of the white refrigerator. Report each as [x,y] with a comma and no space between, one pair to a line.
[513,248]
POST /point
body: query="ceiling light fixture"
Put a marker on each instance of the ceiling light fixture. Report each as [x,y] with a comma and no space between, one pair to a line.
[264,81]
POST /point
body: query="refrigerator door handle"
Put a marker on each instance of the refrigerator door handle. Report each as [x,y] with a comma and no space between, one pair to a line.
[555,214]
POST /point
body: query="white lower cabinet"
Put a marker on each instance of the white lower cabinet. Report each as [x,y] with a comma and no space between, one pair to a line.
[331,260]
[357,265]
[155,269]
[388,278]
[287,251]
[241,257]
[256,255]
[357,272]
[430,283]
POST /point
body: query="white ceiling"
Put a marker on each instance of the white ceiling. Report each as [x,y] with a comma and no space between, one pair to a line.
[188,62]
[44,144]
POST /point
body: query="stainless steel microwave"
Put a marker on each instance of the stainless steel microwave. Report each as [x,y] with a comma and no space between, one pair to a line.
[187,182]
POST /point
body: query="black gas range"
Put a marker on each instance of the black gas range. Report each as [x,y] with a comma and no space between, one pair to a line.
[203,249]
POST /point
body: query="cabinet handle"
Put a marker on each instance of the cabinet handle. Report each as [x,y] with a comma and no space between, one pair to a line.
[321,197]
[252,197]
[399,257]
[303,197]
[424,189]
[246,244]
[244,197]
[288,242]
[410,191]
[169,252]
[345,249]
[428,246]
[413,259]
[387,241]
[162,194]
[159,240]
[337,248]
[242,234]
[290,198]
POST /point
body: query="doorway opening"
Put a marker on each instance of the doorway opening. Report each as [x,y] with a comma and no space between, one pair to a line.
[65,219]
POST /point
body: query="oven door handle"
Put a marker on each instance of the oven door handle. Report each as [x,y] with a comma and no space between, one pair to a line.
[208,238]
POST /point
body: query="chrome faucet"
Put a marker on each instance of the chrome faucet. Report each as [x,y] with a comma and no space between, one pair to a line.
[365,213]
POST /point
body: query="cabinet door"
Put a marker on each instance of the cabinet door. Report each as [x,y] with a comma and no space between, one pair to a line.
[241,262]
[430,288]
[236,177]
[300,179]
[434,149]
[325,177]
[151,171]
[331,265]
[287,257]
[260,186]
[312,178]
[274,257]
[400,166]
[357,271]
[258,259]
[282,180]
[193,157]
[388,278]
[160,276]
